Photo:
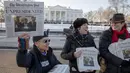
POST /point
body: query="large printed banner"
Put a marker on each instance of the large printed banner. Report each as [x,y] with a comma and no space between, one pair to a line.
[24,17]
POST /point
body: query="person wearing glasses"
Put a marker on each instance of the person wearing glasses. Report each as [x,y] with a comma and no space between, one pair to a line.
[40,59]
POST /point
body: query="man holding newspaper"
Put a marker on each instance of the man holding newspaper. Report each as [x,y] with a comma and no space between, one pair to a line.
[116,33]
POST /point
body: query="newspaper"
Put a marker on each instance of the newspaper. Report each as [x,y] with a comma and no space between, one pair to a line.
[24,17]
[60,68]
[88,59]
[121,49]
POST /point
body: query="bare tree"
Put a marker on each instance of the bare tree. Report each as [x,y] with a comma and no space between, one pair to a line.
[1,4]
[118,4]
[99,12]
[89,15]
[108,13]
[1,10]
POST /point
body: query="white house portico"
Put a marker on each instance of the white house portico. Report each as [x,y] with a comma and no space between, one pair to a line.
[61,14]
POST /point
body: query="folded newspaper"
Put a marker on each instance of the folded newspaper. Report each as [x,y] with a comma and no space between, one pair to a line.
[60,68]
[88,59]
[121,49]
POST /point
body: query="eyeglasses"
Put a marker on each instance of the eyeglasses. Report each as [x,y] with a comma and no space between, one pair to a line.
[45,41]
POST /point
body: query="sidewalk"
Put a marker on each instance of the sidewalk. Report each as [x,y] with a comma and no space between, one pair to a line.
[8,62]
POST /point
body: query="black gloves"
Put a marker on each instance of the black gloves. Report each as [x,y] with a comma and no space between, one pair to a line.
[125,63]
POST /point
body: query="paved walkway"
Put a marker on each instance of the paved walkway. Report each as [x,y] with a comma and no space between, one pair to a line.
[8,62]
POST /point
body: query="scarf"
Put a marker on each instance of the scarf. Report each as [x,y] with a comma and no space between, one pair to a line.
[116,34]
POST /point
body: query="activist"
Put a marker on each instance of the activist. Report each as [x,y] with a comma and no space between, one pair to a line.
[79,38]
[117,32]
[40,59]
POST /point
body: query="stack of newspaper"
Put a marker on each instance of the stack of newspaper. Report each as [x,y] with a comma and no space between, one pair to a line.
[60,68]
[121,49]
[88,59]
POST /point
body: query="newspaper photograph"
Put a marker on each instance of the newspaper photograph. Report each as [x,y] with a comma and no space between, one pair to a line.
[126,53]
[27,23]
[24,17]
[60,68]
[88,59]
[121,49]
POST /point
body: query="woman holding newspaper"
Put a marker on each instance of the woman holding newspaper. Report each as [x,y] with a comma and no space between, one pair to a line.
[80,38]
[40,59]
[117,32]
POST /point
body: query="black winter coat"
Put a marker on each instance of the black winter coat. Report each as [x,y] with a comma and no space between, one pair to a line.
[74,41]
[113,62]
[31,61]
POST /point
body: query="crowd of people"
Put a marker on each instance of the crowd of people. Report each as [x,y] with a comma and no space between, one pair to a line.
[41,59]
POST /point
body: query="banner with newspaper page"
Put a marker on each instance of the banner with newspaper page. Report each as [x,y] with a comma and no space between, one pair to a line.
[24,17]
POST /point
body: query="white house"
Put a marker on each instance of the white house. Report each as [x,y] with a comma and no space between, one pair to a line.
[60,13]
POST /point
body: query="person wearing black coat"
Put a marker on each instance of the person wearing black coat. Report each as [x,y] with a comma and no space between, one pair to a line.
[40,59]
[117,32]
[80,38]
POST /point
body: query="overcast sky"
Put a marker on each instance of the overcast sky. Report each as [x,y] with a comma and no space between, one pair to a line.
[85,5]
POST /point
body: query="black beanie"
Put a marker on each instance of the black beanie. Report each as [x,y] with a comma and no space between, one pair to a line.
[79,22]
[37,38]
[118,17]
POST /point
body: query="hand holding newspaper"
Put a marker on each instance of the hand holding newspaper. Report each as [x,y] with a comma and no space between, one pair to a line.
[121,49]
[77,54]
[60,68]
[88,59]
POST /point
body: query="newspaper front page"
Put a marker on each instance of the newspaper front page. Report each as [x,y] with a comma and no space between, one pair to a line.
[88,59]
[24,17]
[60,68]
[121,49]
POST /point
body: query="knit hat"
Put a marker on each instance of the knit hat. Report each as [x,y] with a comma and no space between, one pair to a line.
[79,22]
[37,38]
[118,17]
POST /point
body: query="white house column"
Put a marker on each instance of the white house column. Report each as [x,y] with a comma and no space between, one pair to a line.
[60,15]
[65,15]
[49,14]
[54,15]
